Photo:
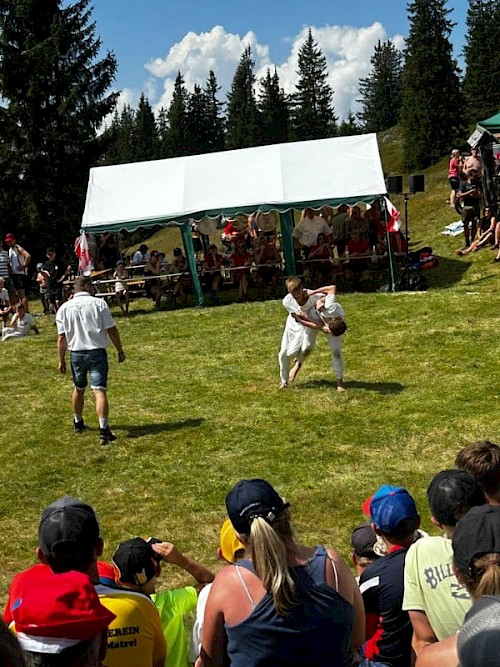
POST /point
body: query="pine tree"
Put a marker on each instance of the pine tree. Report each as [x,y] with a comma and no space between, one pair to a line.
[242,121]
[197,130]
[55,94]
[121,137]
[162,124]
[382,90]
[175,139]
[215,118]
[312,115]
[145,136]
[482,56]
[274,110]
[432,109]
[349,127]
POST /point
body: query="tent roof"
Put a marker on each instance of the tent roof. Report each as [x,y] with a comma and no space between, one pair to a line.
[491,124]
[280,176]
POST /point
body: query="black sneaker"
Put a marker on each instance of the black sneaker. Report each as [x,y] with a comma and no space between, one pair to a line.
[106,435]
[79,427]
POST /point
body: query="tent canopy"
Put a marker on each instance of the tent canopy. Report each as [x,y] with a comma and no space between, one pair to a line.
[491,124]
[280,176]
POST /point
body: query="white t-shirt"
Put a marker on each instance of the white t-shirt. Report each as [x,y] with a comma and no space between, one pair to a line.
[84,320]
[17,261]
[332,308]
[139,258]
[307,230]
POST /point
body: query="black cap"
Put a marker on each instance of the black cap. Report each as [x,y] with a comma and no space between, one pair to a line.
[135,561]
[451,494]
[363,539]
[68,529]
[251,498]
[477,533]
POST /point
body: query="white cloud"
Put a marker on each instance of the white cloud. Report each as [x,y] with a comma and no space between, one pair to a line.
[347,51]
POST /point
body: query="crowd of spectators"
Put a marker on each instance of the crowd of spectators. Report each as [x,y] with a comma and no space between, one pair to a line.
[417,599]
[480,224]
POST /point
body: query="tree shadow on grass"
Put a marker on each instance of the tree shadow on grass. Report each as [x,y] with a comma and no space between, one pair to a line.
[163,427]
[380,387]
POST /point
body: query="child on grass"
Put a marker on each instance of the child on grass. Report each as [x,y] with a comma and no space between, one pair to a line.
[20,324]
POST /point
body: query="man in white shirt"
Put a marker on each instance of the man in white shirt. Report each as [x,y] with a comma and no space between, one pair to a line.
[85,327]
[305,233]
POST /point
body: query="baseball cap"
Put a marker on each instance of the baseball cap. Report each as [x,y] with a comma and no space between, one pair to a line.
[478,642]
[451,494]
[229,542]
[251,498]
[135,561]
[10,237]
[68,531]
[478,532]
[363,540]
[390,505]
[62,605]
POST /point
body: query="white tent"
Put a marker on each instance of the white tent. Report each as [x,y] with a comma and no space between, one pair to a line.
[280,176]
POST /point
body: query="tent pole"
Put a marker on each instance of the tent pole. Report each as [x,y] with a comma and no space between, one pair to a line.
[286,225]
[189,248]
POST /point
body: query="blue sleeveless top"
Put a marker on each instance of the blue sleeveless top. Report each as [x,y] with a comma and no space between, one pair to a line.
[316,632]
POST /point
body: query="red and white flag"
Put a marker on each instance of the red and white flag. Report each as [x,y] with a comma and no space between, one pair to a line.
[82,252]
[393,216]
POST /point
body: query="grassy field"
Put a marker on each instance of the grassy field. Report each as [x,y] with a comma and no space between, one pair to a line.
[196,406]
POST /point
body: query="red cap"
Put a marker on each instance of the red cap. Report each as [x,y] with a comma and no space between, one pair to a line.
[366,506]
[59,605]
[10,237]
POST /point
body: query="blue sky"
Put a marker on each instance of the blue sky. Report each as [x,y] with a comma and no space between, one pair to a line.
[152,39]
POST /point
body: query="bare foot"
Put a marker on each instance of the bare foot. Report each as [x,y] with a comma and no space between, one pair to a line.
[340,386]
[296,368]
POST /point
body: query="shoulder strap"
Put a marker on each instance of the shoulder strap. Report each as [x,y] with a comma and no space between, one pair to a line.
[243,583]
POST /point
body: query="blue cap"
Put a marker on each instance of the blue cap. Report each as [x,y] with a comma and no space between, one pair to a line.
[389,506]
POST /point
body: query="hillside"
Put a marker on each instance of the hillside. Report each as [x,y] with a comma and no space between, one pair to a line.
[428,214]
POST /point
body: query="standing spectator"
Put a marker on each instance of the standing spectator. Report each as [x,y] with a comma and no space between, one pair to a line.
[473,163]
[108,250]
[58,269]
[121,287]
[141,256]
[339,228]
[305,233]
[319,256]
[395,519]
[285,604]
[241,260]
[213,262]
[20,325]
[454,171]
[19,260]
[5,271]
[470,195]
[85,327]
[433,597]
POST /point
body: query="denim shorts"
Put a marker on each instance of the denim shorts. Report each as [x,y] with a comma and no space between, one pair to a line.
[94,362]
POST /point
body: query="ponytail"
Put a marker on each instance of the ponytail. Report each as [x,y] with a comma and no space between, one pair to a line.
[484,578]
[269,550]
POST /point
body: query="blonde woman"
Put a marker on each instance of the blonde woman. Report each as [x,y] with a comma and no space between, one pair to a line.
[286,604]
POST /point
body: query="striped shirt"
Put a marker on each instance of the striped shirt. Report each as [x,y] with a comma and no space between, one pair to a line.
[4,264]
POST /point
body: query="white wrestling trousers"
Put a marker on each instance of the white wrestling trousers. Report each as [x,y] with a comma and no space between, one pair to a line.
[335,343]
[297,343]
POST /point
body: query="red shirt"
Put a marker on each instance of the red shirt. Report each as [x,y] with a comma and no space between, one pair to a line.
[360,247]
[240,259]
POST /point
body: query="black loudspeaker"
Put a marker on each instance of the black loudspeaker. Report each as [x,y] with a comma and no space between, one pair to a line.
[394,185]
[417,183]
